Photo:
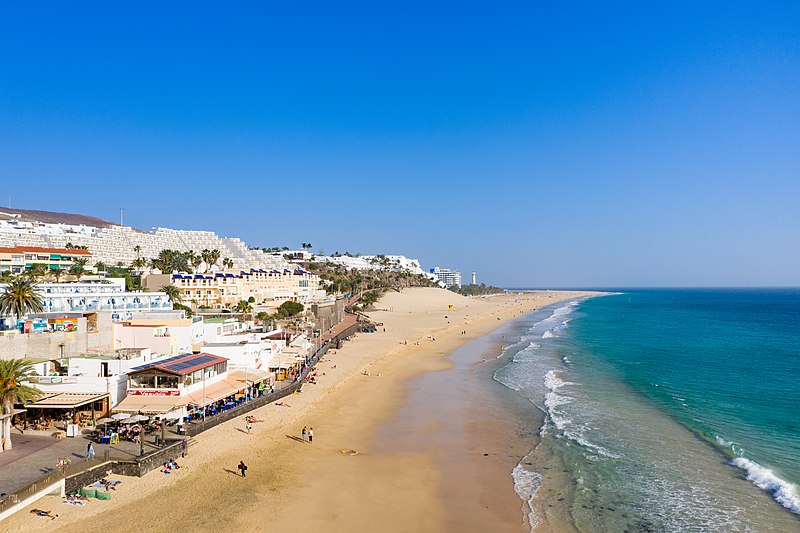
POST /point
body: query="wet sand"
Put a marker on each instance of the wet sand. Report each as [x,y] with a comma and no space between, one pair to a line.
[472,435]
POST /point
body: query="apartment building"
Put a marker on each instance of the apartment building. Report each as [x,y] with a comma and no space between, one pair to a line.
[449,278]
[220,289]
[17,259]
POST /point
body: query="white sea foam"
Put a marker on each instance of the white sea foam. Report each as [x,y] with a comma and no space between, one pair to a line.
[723,442]
[553,382]
[553,400]
[564,424]
[526,485]
[728,444]
[548,334]
[783,492]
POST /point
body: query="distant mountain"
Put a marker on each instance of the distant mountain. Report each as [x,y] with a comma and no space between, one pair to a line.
[50,217]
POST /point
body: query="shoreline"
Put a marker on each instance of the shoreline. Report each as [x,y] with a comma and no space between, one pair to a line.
[345,409]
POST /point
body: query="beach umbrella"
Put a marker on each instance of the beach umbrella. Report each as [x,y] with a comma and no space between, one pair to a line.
[120,416]
[127,421]
[138,418]
[172,415]
[105,421]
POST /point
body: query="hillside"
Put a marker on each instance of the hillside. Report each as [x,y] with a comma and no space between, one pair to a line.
[50,217]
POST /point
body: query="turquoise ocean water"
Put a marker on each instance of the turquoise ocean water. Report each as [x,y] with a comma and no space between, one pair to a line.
[662,410]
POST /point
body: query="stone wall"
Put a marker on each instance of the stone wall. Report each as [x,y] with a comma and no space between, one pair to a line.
[102,338]
[44,345]
[151,461]
[48,345]
[134,468]
[87,477]
[327,315]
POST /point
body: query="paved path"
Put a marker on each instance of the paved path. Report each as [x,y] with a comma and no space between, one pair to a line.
[35,454]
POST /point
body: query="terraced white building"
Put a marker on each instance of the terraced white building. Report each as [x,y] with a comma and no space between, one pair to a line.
[114,244]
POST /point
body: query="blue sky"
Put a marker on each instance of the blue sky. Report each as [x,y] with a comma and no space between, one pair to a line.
[537,144]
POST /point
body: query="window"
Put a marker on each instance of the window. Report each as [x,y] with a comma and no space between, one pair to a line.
[142,381]
[167,382]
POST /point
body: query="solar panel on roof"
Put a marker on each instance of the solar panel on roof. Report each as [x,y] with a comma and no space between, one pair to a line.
[194,361]
[160,362]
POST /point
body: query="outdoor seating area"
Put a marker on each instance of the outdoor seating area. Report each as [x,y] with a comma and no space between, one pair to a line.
[70,412]
[217,407]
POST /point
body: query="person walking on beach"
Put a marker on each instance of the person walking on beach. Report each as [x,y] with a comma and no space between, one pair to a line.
[248,427]
[89,452]
[243,468]
[304,433]
[183,448]
[310,435]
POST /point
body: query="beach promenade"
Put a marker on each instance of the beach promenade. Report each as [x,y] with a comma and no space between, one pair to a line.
[364,487]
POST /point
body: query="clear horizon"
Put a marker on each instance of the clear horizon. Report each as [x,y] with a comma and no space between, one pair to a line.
[538,145]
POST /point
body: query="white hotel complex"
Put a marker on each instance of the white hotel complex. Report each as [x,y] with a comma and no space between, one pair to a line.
[449,278]
[113,244]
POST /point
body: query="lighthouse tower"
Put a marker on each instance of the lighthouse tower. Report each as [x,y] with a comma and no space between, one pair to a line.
[474,278]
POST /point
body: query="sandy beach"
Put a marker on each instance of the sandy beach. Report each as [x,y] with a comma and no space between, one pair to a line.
[363,471]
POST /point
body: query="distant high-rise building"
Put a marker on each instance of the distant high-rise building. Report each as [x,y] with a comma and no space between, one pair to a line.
[449,278]
[474,279]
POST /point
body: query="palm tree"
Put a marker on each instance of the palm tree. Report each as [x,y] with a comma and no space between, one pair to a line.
[13,375]
[245,308]
[227,263]
[78,268]
[174,293]
[266,319]
[56,274]
[20,298]
[214,256]
[37,271]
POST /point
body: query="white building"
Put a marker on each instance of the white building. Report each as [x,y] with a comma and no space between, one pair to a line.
[106,295]
[161,335]
[89,374]
[374,262]
[449,278]
[252,353]
[122,243]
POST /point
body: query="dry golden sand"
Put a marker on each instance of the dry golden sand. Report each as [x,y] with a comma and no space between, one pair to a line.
[316,487]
